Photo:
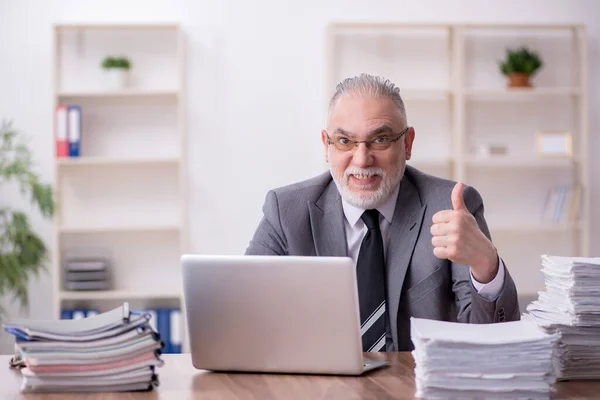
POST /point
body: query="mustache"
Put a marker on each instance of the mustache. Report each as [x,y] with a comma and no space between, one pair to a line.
[364,171]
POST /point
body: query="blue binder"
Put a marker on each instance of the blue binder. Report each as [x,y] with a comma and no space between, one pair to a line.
[163,326]
[66,313]
[74,130]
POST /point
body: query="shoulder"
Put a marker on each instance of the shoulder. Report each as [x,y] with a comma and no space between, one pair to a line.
[312,185]
[309,190]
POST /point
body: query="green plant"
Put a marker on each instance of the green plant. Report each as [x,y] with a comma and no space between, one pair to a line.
[116,62]
[521,60]
[23,254]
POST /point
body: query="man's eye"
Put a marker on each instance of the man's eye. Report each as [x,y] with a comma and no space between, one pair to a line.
[382,139]
[344,140]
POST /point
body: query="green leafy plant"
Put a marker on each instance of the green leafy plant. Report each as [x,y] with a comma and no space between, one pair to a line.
[23,254]
[116,62]
[521,60]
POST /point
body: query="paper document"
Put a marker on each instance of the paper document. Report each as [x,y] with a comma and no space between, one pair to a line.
[502,360]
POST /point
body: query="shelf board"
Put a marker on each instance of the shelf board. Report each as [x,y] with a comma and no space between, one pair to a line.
[116,295]
[493,26]
[123,228]
[519,93]
[497,226]
[425,94]
[384,25]
[120,93]
[519,162]
[441,163]
[76,161]
[117,26]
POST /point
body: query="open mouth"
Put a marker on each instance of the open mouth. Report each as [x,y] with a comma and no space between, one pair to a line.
[363,180]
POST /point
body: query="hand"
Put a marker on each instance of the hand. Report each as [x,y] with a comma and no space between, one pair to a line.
[457,237]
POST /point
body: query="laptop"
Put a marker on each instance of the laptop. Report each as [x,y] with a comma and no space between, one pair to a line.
[274,314]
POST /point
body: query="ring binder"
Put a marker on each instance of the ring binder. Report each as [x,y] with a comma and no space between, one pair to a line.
[126,314]
[112,351]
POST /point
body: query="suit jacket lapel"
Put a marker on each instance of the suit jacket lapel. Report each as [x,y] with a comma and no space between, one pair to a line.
[327,224]
[403,234]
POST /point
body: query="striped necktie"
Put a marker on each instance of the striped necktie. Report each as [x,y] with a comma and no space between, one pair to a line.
[370,272]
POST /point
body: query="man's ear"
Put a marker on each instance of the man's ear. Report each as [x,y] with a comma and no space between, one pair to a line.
[409,138]
[325,144]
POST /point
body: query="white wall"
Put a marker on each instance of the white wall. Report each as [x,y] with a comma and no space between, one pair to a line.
[256,105]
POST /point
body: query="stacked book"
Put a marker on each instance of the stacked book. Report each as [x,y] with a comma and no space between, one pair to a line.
[484,361]
[570,306]
[110,352]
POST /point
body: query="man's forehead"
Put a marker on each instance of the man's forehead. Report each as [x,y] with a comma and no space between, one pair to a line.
[363,105]
[368,111]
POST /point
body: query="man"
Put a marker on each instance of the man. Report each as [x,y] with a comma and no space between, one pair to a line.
[421,243]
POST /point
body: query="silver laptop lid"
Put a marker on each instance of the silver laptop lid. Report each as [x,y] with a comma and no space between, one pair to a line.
[273,314]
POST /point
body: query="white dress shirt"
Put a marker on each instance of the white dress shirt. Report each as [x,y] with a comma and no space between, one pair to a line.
[356,230]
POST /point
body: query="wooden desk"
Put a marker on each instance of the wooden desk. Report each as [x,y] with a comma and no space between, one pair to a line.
[179,380]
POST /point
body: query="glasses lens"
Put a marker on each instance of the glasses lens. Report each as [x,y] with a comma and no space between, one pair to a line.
[381,143]
[378,146]
[343,143]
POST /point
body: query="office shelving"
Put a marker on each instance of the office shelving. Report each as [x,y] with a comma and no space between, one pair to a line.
[457,100]
[126,194]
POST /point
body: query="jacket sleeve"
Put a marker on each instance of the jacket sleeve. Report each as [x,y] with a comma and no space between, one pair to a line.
[269,238]
[472,307]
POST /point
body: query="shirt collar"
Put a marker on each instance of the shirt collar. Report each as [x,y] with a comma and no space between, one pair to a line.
[387,209]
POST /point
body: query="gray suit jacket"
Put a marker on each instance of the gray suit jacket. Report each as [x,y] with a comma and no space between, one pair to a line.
[307,219]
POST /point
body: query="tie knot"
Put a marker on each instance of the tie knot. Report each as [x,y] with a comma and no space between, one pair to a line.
[371,219]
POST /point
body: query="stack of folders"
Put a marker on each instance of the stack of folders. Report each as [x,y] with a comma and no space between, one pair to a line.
[113,351]
[484,361]
[570,306]
[86,274]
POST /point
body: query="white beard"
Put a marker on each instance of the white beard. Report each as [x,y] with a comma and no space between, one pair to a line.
[369,199]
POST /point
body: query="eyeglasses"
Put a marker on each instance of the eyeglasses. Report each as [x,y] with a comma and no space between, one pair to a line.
[379,143]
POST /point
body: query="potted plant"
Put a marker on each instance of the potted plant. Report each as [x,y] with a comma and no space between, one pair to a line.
[23,254]
[520,64]
[117,71]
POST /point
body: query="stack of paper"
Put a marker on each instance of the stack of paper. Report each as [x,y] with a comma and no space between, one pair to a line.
[570,305]
[108,352]
[504,360]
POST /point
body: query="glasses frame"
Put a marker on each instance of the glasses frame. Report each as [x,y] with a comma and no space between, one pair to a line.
[367,142]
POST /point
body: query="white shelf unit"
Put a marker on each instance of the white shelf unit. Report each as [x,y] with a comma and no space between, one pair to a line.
[456,98]
[126,194]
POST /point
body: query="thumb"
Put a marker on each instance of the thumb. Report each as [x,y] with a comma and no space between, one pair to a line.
[458,203]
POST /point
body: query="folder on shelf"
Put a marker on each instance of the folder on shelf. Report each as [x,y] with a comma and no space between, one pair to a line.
[562,204]
[74,131]
[61,131]
[163,325]
[176,331]
[66,313]
[77,313]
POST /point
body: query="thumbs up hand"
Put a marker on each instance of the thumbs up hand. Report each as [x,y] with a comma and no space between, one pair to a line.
[457,237]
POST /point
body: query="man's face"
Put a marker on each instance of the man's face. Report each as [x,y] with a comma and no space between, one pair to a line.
[366,177]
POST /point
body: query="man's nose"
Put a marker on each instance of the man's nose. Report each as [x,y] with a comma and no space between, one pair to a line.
[362,156]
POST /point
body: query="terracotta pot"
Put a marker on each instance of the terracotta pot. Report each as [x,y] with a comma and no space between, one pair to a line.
[518,80]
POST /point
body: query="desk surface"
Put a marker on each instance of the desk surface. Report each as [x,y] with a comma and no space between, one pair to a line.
[180,380]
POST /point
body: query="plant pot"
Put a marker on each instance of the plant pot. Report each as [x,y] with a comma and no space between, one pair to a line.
[116,78]
[518,80]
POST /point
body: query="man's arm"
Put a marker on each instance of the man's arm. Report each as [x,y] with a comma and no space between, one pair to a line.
[268,238]
[474,307]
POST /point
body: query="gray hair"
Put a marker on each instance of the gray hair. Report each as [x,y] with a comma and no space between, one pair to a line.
[375,86]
